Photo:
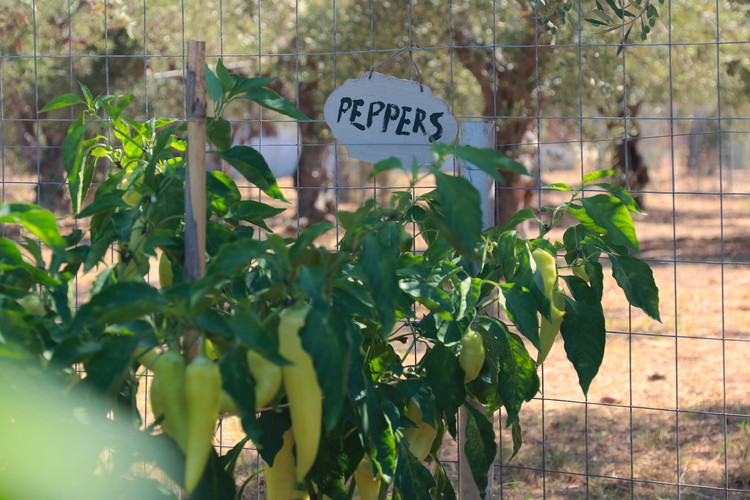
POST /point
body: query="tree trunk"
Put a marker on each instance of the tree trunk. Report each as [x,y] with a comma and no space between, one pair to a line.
[315,196]
[43,152]
[625,155]
[514,95]
[315,200]
[51,191]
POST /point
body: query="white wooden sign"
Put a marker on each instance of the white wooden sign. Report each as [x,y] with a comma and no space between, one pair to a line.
[378,116]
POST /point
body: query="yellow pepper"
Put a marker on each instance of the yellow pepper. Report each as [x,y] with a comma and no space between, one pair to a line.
[168,395]
[471,357]
[367,479]
[302,389]
[547,267]
[267,377]
[420,438]
[280,475]
[203,397]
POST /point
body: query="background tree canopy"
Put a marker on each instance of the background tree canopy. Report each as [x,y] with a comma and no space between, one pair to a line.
[541,69]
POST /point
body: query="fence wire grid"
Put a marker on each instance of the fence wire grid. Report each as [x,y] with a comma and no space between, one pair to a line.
[669,414]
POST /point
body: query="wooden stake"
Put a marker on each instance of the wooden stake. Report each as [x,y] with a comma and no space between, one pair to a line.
[195,183]
[195,180]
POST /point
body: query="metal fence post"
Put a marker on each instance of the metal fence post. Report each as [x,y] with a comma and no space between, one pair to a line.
[478,134]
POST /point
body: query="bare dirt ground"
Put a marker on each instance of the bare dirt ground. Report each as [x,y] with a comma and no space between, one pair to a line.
[669,413]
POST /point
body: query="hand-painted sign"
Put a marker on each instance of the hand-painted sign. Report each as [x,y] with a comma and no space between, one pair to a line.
[378,116]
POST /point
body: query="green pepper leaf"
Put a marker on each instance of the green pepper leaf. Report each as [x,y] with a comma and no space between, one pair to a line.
[38,221]
[325,337]
[119,303]
[622,194]
[412,479]
[221,192]
[243,83]
[225,77]
[213,84]
[254,212]
[107,368]
[384,165]
[432,297]
[608,215]
[442,370]
[521,306]
[62,102]
[480,447]
[376,428]
[460,215]
[519,217]
[219,132]
[240,386]
[517,436]
[273,101]
[596,175]
[583,330]
[636,279]
[517,377]
[253,167]
[378,265]
[271,428]
[490,161]
[216,482]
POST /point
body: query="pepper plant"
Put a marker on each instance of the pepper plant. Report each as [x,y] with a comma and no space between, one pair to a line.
[346,366]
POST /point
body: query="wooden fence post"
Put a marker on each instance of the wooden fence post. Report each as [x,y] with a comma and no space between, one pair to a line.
[195,181]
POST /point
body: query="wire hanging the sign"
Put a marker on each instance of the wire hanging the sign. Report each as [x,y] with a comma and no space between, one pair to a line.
[411,61]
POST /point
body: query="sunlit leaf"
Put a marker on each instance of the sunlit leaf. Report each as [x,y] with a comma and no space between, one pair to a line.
[596,175]
[621,194]
[384,165]
[61,102]
[38,221]
[607,214]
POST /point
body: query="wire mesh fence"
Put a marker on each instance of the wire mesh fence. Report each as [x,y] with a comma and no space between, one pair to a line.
[571,87]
